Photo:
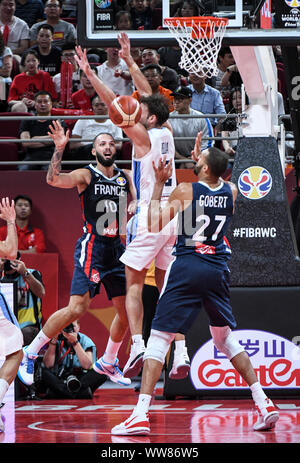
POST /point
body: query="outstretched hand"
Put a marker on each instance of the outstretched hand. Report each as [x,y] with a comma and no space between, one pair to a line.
[7,210]
[124,42]
[163,171]
[58,135]
[197,147]
[81,60]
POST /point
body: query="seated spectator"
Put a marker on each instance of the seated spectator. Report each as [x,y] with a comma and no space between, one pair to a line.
[170,79]
[60,80]
[188,127]
[31,11]
[6,64]
[141,15]
[30,292]
[123,21]
[15,31]
[28,310]
[114,73]
[152,72]
[171,56]
[30,239]
[187,8]
[32,129]
[206,99]
[67,366]
[82,99]
[25,85]
[63,30]
[49,55]
[225,60]
[90,128]
[231,79]
[229,127]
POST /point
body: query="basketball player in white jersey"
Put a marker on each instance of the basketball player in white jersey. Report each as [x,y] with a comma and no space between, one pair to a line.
[151,138]
[11,338]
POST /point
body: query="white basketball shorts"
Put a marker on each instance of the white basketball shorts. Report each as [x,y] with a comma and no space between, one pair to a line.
[11,337]
[143,247]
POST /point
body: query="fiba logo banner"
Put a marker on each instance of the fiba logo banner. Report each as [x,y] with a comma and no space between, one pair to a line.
[275,360]
[293,3]
[103,3]
[255,182]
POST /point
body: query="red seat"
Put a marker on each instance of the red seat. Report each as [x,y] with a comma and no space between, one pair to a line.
[126,154]
[10,128]
[9,152]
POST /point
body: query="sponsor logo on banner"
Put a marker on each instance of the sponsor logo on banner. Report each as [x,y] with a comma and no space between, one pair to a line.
[276,362]
[255,182]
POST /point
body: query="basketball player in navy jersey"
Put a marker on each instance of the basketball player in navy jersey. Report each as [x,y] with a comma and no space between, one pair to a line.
[102,191]
[11,338]
[197,276]
[151,137]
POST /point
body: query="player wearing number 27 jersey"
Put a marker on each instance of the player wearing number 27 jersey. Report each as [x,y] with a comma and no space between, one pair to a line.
[203,225]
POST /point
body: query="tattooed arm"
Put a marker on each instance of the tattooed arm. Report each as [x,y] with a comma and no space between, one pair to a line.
[78,177]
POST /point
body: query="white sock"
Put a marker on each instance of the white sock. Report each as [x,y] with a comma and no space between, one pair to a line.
[111,351]
[143,403]
[3,389]
[39,341]
[138,339]
[257,392]
[179,346]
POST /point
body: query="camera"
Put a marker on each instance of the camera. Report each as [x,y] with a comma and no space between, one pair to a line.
[229,125]
[69,328]
[73,383]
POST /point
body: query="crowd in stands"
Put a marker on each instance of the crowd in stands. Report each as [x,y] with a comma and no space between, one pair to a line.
[39,76]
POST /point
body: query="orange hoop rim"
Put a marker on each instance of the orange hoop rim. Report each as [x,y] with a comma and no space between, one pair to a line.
[202,20]
[205,26]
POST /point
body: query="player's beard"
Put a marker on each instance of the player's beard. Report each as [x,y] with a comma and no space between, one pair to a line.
[197,169]
[105,162]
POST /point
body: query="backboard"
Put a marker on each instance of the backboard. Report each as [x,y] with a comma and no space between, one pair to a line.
[96,21]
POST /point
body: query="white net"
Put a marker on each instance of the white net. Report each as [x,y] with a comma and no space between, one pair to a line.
[200,42]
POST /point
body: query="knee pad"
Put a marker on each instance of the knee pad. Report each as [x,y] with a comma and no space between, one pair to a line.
[158,345]
[225,341]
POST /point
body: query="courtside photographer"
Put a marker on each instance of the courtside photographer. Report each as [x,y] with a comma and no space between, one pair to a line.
[66,370]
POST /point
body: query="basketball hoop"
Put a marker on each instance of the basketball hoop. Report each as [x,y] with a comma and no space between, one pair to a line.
[200,40]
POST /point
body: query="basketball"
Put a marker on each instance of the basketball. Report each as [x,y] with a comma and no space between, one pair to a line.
[125,111]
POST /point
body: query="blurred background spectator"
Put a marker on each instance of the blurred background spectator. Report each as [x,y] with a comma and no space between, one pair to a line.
[30,239]
[26,84]
[31,11]
[63,31]
[49,55]
[15,31]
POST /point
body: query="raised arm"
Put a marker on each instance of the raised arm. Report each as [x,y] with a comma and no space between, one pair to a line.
[138,133]
[179,199]
[106,94]
[9,247]
[55,177]
[140,82]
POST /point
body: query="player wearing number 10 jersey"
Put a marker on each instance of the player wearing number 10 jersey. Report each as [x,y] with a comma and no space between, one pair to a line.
[102,189]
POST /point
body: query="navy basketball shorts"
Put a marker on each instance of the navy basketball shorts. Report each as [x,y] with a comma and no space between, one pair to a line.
[190,284]
[96,262]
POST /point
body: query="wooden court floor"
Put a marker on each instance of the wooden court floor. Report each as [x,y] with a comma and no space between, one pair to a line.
[181,421]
